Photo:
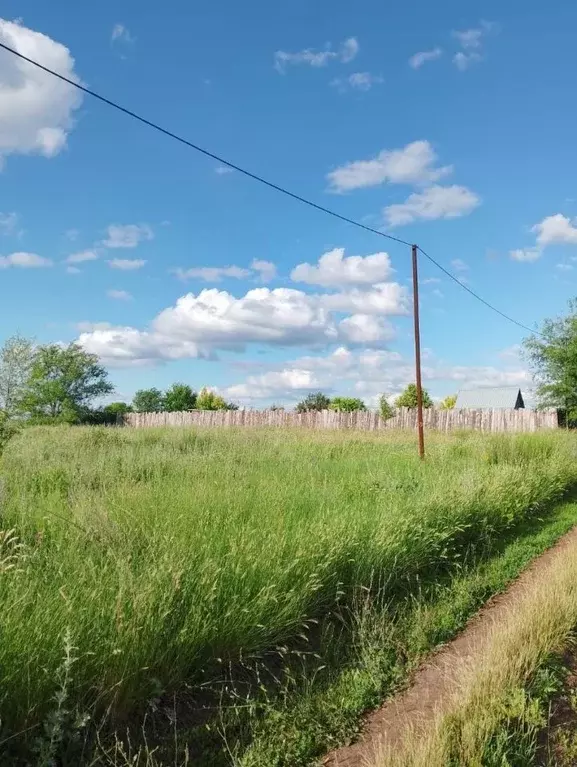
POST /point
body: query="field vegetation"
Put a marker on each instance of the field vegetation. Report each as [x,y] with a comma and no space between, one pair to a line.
[205,594]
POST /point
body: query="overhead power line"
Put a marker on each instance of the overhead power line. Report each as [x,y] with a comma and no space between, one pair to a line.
[476,295]
[253,176]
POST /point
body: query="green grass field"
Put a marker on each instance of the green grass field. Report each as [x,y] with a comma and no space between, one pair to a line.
[143,567]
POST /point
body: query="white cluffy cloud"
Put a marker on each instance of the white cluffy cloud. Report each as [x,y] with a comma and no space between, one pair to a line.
[555,229]
[126,264]
[525,254]
[345,53]
[119,295]
[359,81]
[24,261]
[199,325]
[412,164]
[552,230]
[265,271]
[223,170]
[127,235]
[37,108]
[334,269]
[418,59]
[433,203]
[212,273]
[470,41]
[83,255]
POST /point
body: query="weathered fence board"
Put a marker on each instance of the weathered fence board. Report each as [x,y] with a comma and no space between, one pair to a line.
[405,418]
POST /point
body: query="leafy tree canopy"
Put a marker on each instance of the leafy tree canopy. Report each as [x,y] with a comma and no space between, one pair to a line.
[347,404]
[62,383]
[148,401]
[408,398]
[553,358]
[117,408]
[314,401]
[179,397]
[16,357]
[210,400]
[449,402]
[385,408]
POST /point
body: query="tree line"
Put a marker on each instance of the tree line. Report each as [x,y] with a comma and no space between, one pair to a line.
[407,398]
[56,383]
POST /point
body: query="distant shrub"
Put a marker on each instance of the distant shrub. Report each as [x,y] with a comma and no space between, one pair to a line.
[316,401]
[347,404]
[385,408]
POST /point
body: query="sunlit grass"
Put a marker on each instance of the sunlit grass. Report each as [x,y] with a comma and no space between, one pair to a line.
[147,558]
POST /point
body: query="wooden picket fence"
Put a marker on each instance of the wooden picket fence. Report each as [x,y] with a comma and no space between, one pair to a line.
[440,420]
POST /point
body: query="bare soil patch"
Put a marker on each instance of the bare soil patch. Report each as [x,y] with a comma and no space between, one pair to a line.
[432,685]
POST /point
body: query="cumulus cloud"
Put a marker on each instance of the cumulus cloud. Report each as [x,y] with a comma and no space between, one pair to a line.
[557,229]
[199,325]
[266,270]
[212,273]
[24,261]
[129,347]
[334,269]
[433,203]
[418,59]
[552,230]
[126,264]
[119,295]
[525,254]
[366,329]
[223,170]
[37,109]
[381,298]
[359,81]
[345,53]
[412,164]
[459,265]
[127,235]
[83,255]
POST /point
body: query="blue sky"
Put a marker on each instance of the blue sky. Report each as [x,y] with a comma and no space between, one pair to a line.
[451,127]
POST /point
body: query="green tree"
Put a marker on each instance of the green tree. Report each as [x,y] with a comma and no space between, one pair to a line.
[408,398]
[62,383]
[148,400]
[209,400]
[553,358]
[347,404]
[16,357]
[449,402]
[385,408]
[179,397]
[314,401]
[117,408]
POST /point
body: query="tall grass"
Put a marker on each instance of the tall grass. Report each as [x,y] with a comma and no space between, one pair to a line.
[146,559]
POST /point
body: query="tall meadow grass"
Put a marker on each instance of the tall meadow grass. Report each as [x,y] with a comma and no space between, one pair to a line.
[142,560]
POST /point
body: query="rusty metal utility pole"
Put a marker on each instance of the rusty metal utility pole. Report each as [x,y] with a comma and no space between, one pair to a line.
[418,353]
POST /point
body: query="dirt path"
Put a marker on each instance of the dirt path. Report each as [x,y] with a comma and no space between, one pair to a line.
[433,682]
